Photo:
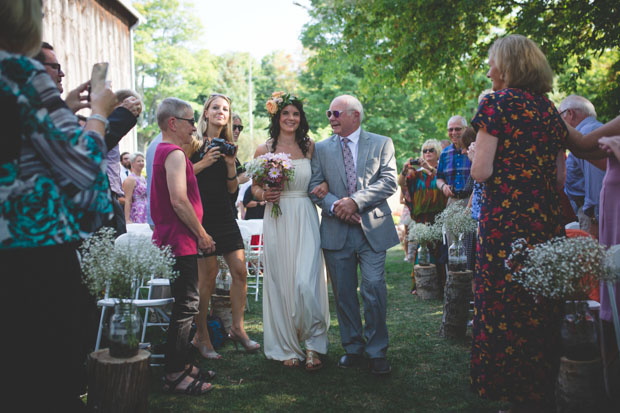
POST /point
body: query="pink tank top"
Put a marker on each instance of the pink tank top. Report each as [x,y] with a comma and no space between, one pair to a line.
[169,229]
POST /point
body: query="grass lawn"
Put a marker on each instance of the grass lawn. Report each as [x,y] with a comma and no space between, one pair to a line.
[429,374]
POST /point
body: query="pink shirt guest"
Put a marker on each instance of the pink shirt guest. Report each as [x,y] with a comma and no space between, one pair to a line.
[169,229]
[177,212]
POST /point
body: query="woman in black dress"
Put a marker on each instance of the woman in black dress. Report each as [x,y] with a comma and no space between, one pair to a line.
[217,179]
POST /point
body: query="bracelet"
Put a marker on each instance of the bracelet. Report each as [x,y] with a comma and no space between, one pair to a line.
[100,118]
[441,189]
[232,179]
[263,194]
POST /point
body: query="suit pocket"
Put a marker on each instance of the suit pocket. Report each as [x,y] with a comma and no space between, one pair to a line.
[382,210]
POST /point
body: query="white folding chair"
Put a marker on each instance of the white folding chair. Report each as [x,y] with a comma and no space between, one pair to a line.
[252,229]
[149,304]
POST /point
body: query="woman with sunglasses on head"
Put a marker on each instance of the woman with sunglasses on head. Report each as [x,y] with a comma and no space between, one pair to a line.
[216,172]
[418,182]
[236,199]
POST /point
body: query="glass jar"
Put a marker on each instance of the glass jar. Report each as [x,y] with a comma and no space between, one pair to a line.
[457,259]
[579,333]
[123,330]
[423,256]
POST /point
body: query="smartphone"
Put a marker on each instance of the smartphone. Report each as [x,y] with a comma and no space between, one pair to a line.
[98,78]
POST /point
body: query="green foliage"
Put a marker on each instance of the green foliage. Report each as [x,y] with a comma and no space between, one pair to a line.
[415,63]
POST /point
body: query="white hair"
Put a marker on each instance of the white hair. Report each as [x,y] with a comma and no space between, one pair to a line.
[458,117]
[577,102]
[352,103]
[134,155]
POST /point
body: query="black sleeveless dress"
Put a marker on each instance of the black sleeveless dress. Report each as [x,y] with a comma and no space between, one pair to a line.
[217,219]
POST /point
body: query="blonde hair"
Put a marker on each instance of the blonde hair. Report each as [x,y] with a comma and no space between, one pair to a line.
[431,143]
[522,63]
[21,26]
[226,132]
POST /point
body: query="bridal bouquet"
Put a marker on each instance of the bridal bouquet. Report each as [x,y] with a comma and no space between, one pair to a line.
[561,268]
[273,170]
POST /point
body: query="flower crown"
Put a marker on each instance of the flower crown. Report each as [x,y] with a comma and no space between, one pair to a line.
[278,100]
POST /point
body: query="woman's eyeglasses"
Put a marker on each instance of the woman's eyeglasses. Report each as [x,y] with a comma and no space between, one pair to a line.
[431,150]
[239,127]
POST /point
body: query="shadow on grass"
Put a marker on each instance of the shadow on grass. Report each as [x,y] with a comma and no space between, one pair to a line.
[429,374]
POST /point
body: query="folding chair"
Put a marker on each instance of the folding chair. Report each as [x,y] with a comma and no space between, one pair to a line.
[149,304]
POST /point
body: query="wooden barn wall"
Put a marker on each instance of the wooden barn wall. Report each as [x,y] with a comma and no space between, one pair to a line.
[83,32]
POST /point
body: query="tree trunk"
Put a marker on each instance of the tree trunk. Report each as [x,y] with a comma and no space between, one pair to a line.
[427,282]
[580,386]
[457,295]
[118,385]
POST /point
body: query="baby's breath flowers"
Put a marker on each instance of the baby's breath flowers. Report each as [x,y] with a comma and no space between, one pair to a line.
[424,233]
[122,267]
[457,220]
[560,268]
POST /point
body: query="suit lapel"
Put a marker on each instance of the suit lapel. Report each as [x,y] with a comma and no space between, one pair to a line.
[336,149]
[363,146]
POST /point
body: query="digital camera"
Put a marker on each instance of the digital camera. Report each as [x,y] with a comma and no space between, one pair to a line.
[224,147]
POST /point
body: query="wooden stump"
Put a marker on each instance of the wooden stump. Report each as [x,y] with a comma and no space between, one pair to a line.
[457,295]
[580,386]
[118,385]
[220,306]
[427,282]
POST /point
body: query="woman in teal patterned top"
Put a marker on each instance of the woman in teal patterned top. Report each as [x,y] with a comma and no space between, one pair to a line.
[51,177]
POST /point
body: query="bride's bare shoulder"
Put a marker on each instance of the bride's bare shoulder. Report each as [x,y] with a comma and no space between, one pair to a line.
[263,148]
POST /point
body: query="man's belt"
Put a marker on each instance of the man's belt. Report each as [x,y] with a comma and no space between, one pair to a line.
[462,195]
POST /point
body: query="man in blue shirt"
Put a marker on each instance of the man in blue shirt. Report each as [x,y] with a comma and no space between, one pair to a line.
[583,179]
[454,166]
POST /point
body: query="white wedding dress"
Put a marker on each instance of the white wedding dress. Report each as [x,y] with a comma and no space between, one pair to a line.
[295,302]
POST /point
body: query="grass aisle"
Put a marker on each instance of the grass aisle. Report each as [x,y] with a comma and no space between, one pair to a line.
[429,374]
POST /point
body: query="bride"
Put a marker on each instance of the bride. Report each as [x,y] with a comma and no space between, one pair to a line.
[295,303]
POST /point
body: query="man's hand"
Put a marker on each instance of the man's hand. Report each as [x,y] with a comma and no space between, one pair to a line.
[132,104]
[345,208]
[355,219]
[320,190]
[206,243]
[76,100]
[447,191]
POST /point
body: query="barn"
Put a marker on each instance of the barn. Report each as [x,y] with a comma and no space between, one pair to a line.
[84,32]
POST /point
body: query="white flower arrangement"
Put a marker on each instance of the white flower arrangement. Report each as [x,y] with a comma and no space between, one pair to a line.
[424,233]
[561,268]
[457,220]
[121,268]
[612,264]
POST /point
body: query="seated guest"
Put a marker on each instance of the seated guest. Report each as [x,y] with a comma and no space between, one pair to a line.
[52,173]
[255,208]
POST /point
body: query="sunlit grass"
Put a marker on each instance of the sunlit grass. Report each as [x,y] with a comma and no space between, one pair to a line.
[429,374]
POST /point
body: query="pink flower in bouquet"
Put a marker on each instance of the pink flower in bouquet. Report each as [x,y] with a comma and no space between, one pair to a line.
[273,170]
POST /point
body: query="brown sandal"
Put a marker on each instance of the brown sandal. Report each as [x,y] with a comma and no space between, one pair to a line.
[311,361]
[294,362]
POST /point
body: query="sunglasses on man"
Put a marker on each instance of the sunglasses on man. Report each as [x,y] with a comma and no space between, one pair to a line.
[191,121]
[336,113]
[238,127]
[455,129]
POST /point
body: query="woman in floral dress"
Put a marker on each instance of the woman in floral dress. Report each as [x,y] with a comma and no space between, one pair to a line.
[520,137]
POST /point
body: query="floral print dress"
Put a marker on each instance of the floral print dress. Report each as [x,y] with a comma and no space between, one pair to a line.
[516,335]
[138,201]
